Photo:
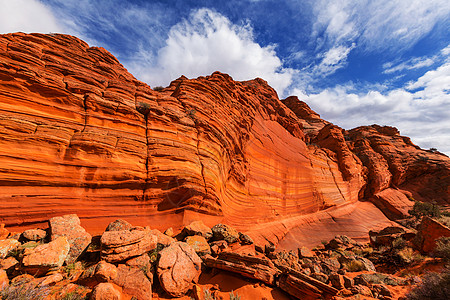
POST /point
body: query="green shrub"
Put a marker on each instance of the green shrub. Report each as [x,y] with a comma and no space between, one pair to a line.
[158,88]
[421,209]
[143,108]
[434,286]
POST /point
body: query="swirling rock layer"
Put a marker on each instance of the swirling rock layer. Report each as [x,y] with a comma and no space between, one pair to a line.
[79,134]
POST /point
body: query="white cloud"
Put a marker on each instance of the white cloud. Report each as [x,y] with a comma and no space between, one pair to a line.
[377,25]
[209,42]
[411,64]
[333,59]
[27,16]
[421,110]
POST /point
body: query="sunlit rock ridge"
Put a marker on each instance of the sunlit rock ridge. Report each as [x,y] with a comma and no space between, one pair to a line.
[79,134]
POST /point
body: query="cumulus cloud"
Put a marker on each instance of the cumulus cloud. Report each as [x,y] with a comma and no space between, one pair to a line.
[27,16]
[206,42]
[421,109]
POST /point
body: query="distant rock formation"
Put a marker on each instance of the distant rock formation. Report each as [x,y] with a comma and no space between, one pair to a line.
[79,134]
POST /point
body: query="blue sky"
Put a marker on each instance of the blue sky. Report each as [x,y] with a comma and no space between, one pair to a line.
[355,62]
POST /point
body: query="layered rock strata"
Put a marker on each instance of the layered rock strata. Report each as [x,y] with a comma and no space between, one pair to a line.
[78,133]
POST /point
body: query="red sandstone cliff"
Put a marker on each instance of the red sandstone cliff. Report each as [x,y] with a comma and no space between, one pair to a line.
[78,133]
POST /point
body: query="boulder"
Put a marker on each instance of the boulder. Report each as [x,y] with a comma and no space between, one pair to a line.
[330,265]
[386,236]
[34,234]
[302,286]
[252,267]
[169,232]
[144,263]
[119,225]
[337,281]
[6,246]
[199,244]
[245,239]
[304,252]
[47,256]
[122,245]
[348,282]
[105,272]
[225,232]
[4,281]
[340,242]
[361,290]
[381,290]
[198,228]
[178,269]
[133,282]
[428,232]
[105,291]
[8,263]
[299,288]
[69,227]
[218,246]
[287,259]
[51,279]
[119,238]
[320,277]
[163,239]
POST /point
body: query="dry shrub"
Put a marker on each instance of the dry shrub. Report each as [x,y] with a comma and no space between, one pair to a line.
[443,248]
[354,266]
[434,286]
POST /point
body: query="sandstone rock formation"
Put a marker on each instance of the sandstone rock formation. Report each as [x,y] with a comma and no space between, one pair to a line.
[47,256]
[429,231]
[179,267]
[78,133]
[69,227]
[124,244]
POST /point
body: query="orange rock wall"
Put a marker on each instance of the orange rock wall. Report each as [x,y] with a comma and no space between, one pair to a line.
[79,134]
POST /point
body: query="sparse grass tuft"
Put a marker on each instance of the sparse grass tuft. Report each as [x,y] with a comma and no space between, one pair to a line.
[399,243]
[208,295]
[23,292]
[234,297]
[73,296]
[354,266]
[408,255]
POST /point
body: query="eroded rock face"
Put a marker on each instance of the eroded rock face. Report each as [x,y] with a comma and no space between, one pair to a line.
[91,135]
[179,267]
